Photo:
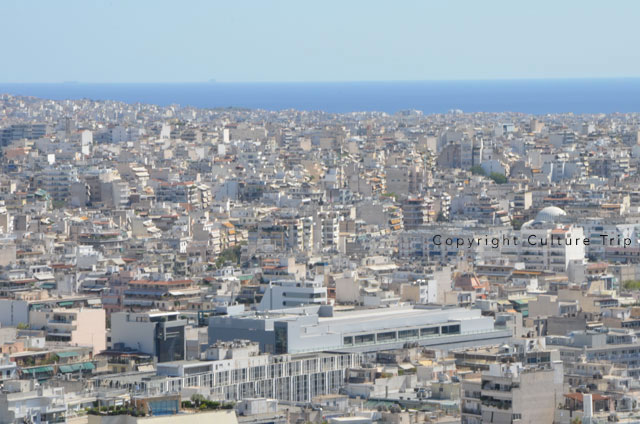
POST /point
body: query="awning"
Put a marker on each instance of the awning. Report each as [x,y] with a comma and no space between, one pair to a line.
[65,304]
[38,370]
[83,366]
[67,354]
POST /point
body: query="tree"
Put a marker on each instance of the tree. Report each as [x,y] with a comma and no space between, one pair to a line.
[498,178]
[197,399]
[477,170]
[231,254]
[631,285]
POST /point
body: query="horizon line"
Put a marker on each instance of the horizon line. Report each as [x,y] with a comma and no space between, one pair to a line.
[214,81]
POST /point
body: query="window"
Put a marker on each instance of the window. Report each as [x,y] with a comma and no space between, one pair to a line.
[431,331]
[281,336]
[348,341]
[364,338]
[383,337]
[451,329]
[408,334]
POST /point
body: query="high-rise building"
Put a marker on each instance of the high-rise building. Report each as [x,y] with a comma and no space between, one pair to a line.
[416,212]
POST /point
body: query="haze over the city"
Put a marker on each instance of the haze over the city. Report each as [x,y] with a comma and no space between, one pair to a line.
[250,41]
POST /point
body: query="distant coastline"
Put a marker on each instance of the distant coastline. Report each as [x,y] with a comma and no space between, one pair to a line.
[580,96]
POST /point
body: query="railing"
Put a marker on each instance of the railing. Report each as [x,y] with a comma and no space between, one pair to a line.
[496,404]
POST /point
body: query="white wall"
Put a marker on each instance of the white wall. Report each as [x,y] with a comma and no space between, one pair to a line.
[134,335]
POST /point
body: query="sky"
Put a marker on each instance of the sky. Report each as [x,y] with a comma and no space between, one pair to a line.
[298,40]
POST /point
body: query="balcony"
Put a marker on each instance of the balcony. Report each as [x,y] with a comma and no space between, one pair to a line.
[496,403]
[471,394]
[57,334]
[60,326]
[498,394]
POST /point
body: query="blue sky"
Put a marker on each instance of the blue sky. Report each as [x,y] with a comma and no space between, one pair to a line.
[299,40]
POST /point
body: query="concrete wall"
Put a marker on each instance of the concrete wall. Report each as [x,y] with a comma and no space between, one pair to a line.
[539,394]
[347,290]
[13,312]
[561,326]
[543,306]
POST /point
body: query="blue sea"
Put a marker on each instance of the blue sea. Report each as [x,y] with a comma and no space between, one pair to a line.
[580,96]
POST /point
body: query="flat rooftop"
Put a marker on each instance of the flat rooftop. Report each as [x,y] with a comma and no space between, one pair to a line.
[382,313]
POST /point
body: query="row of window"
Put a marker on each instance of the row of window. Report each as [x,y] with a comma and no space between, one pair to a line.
[412,333]
[300,388]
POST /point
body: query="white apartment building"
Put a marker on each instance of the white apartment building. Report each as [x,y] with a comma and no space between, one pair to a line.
[155,333]
[77,326]
[57,181]
[420,291]
[546,244]
[236,371]
[509,393]
[24,401]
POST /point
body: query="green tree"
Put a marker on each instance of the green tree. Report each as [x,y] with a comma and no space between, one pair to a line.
[498,178]
[477,170]
[197,399]
[231,254]
[631,285]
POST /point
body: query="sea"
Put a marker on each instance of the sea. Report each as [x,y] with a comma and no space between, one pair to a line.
[538,97]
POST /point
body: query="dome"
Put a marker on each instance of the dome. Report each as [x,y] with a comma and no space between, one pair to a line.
[550,214]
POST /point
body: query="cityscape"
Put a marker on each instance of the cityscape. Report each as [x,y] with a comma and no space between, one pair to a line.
[274,253]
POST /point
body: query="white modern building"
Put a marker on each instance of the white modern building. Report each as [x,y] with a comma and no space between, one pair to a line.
[237,370]
[318,328]
[286,294]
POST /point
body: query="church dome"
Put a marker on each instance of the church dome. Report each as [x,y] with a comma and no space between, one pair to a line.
[550,214]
